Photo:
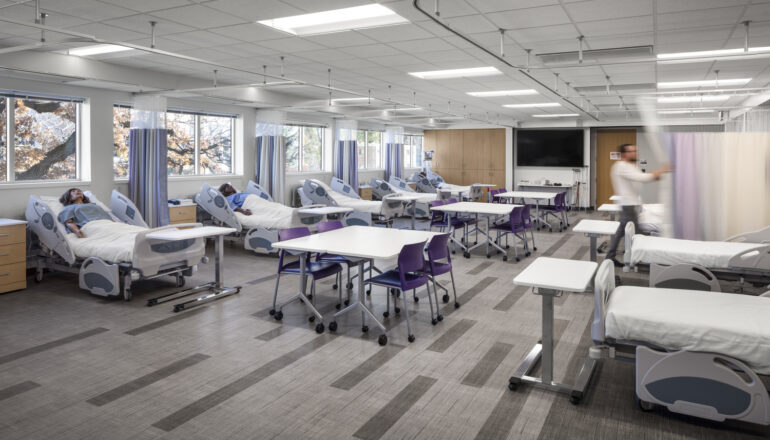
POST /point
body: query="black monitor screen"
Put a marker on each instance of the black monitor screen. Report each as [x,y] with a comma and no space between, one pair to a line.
[549,148]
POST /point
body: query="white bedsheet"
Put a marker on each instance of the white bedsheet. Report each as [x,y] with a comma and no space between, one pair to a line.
[108,240]
[661,250]
[451,187]
[371,206]
[267,214]
[730,324]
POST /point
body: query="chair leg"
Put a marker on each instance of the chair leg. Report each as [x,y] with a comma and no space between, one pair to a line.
[454,289]
[338,278]
[410,336]
[435,296]
[275,294]
[430,304]
[532,232]
[386,313]
[515,249]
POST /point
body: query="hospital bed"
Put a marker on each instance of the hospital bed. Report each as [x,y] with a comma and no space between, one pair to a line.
[341,194]
[728,260]
[381,189]
[112,255]
[696,352]
[260,229]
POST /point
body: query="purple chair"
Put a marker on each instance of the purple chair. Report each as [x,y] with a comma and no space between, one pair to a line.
[315,269]
[462,222]
[437,251]
[558,210]
[515,227]
[438,219]
[409,275]
[526,220]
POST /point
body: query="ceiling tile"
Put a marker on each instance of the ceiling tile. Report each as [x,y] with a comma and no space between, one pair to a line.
[471,24]
[109,32]
[249,32]
[694,19]
[420,46]
[199,16]
[141,23]
[291,45]
[148,5]
[86,9]
[527,18]
[618,26]
[396,33]
[668,6]
[202,39]
[253,10]
[505,5]
[607,9]
[371,50]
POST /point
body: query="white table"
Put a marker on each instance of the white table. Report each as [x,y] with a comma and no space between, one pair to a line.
[573,276]
[217,288]
[409,199]
[11,222]
[487,210]
[615,198]
[611,208]
[594,229]
[534,195]
[363,242]
[570,188]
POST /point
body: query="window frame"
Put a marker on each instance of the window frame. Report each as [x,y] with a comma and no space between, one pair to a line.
[381,161]
[300,143]
[10,138]
[413,162]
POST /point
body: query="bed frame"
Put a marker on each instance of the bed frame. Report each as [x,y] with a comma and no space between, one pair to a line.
[313,190]
[705,385]
[151,259]
[750,265]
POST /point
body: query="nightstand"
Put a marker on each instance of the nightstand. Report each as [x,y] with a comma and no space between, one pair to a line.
[184,213]
[13,255]
[365,192]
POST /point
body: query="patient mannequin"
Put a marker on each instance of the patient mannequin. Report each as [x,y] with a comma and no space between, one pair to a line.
[78,210]
[234,198]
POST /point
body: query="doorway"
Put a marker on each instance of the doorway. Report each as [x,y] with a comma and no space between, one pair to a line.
[607,143]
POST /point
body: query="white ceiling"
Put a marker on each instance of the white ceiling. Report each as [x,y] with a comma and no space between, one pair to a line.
[225,31]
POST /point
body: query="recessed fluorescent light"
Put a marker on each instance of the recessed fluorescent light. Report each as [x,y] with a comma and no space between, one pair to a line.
[457,73]
[683,112]
[334,101]
[705,83]
[558,115]
[98,49]
[337,20]
[535,105]
[405,109]
[705,55]
[702,98]
[522,92]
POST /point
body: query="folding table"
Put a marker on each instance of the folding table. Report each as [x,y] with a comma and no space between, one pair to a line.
[534,195]
[594,229]
[364,242]
[573,276]
[611,208]
[478,208]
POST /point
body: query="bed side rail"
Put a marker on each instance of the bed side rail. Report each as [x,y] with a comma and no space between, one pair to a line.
[757,258]
[400,184]
[317,193]
[211,201]
[357,218]
[254,188]
[44,224]
[629,240]
[381,188]
[342,187]
[152,256]
[683,276]
[125,210]
[758,236]
[604,284]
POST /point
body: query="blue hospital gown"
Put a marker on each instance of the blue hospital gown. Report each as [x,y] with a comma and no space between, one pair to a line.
[236,200]
[82,213]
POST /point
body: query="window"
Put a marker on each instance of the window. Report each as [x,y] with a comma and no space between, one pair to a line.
[413,151]
[370,149]
[304,147]
[41,141]
[197,143]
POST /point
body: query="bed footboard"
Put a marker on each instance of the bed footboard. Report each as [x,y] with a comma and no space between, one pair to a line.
[260,240]
[99,277]
[755,259]
[604,284]
[704,385]
[683,276]
[153,256]
[211,201]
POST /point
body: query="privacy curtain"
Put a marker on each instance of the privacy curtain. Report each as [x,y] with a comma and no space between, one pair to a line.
[147,163]
[271,157]
[345,153]
[394,152]
[721,183]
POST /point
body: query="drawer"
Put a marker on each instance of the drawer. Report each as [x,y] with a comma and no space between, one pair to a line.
[13,253]
[13,234]
[365,193]
[13,273]
[182,214]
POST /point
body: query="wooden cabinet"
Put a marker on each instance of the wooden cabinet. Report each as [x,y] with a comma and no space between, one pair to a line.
[182,213]
[365,192]
[412,185]
[13,255]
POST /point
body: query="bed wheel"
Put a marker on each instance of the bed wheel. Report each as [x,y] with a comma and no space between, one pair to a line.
[644,405]
[445,298]
[180,281]
[382,340]
[38,275]
[319,328]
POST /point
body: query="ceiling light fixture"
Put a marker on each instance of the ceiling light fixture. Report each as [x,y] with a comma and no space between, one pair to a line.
[334,101]
[704,83]
[98,49]
[457,73]
[699,98]
[534,105]
[405,109]
[337,20]
[710,55]
[557,115]
[683,112]
[522,92]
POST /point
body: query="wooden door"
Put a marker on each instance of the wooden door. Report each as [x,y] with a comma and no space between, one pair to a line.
[607,142]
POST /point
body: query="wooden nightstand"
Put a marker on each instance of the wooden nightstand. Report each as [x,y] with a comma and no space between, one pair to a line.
[182,213]
[365,192]
[13,255]
[412,185]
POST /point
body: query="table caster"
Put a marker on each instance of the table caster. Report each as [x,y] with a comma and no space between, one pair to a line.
[364,329]
[445,298]
[507,246]
[347,302]
[440,318]
[410,338]
[271,312]
[334,286]
[505,257]
[338,306]
[513,384]
[349,286]
[517,259]
[319,328]
[311,318]
[534,248]
[466,254]
[383,339]
[397,310]
[385,314]
[333,326]
[457,305]
[278,315]
[369,292]
[434,321]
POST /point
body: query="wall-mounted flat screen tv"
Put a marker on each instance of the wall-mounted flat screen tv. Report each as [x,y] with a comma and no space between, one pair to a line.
[549,148]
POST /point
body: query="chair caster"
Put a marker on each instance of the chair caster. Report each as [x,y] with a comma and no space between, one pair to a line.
[410,338]
[365,329]
[382,339]
[271,312]
[335,286]
[310,296]
[311,318]
[278,315]
[385,314]
[466,254]
[445,298]
[507,246]
[333,326]
[513,384]
[475,242]
[397,310]
[505,258]
[517,259]
[489,256]
[454,252]
[369,293]
[319,328]
[416,299]
[349,286]
[338,306]
[534,248]
[440,318]
[347,302]
[457,305]
[434,321]
[528,254]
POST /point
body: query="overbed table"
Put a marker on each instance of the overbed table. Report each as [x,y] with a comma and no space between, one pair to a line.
[534,195]
[487,210]
[594,229]
[611,208]
[362,242]
[410,199]
[217,288]
[573,276]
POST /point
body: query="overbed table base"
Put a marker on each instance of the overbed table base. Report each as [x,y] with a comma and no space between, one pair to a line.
[543,352]
[359,304]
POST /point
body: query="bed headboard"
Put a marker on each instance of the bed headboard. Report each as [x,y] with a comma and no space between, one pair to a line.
[253,188]
[342,187]
[211,201]
[317,193]
[381,188]
[125,210]
[400,184]
[43,223]
[604,284]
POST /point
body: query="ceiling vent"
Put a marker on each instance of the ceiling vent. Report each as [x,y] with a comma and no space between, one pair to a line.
[596,55]
[615,88]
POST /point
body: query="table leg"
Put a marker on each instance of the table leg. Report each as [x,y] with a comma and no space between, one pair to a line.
[301,296]
[488,241]
[414,209]
[365,311]
[592,239]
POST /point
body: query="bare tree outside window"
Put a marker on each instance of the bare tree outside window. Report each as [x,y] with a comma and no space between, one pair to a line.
[370,149]
[181,144]
[3,143]
[45,140]
[216,145]
[304,148]
[291,140]
[121,126]
[311,148]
